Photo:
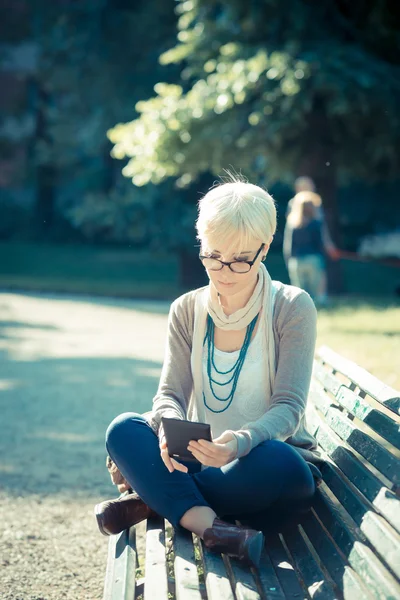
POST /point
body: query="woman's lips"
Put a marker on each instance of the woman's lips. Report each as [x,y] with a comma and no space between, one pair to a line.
[226,284]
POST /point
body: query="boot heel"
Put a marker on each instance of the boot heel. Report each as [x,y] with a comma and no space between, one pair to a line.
[255,549]
[99,518]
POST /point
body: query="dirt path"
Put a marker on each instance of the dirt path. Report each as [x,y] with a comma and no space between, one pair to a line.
[67,367]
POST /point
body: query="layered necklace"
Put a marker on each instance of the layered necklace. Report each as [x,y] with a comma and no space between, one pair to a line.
[233,373]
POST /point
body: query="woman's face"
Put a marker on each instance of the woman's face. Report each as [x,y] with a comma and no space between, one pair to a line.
[226,282]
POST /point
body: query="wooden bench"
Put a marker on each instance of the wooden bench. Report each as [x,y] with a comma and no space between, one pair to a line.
[346,546]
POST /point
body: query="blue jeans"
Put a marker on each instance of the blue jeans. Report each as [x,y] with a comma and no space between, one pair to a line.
[273,473]
[306,272]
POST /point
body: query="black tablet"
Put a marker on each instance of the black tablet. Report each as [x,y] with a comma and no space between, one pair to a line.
[178,434]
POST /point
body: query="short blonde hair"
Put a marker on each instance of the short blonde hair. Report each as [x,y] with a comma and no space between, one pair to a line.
[235,213]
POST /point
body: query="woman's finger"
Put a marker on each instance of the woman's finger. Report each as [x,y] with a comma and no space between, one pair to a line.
[208,450]
[213,451]
[179,466]
[205,460]
[171,463]
[167,459]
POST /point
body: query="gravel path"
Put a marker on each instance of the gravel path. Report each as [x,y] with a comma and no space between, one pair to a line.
[68,366]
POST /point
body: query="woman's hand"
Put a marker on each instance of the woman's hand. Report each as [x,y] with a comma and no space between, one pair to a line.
[217,453]
[169,462]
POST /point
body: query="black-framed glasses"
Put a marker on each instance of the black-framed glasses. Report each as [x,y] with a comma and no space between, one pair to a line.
[236,266]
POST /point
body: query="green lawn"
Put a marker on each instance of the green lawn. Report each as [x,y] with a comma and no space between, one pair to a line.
[365,331]
[103,271]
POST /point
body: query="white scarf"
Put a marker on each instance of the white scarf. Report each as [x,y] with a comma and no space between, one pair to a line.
[207,303]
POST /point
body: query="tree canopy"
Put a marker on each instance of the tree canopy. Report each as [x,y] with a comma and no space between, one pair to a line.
[272,88]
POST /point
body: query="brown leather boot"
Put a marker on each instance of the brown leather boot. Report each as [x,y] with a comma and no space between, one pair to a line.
[239,542]
[113,516]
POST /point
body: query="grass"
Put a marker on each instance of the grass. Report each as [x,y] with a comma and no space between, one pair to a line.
[103,271]
[366,331]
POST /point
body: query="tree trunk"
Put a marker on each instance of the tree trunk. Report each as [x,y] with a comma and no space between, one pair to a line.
[45,173]
[44,210]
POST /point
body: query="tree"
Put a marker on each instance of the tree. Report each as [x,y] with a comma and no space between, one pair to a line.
[275,89]
[96,58]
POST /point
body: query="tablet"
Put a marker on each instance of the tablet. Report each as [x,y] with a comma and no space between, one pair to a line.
[178,434]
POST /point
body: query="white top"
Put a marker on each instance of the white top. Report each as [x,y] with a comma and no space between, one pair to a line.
[250,400]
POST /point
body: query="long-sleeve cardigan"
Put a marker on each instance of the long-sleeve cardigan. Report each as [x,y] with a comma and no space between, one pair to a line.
[294,327]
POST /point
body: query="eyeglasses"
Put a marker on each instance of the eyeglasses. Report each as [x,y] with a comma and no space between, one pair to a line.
[237,266]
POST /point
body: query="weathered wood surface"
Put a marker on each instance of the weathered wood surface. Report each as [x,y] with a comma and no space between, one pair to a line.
[346,547]
[370,385]
[187,585]
[121,566]
[156,582]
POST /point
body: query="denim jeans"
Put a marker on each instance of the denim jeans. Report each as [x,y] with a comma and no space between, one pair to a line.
[272,475]
[306,272]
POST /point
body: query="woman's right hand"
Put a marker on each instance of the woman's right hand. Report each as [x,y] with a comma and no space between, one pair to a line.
[168,461]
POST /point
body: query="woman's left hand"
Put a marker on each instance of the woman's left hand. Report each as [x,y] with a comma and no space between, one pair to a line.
[219,452]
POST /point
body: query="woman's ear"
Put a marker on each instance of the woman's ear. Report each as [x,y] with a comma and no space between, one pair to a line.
[266,248]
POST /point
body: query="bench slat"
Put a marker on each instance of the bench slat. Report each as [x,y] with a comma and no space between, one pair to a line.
[187,585]
[269,582]
[380,582]
[242,581]
[217,583]
[384,539]
[308,569]
[376,420]
[381,536]
[365,381]
[388,504]
[121,566]
[343,457]
[319,398]
[379,495]
[156,582]
[385,426]
[327,379]
[371,450]
[345,578]
[283,567]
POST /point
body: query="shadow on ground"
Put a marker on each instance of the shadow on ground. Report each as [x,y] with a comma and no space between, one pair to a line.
[55,409]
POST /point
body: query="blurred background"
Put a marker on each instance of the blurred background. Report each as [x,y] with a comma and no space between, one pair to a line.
[117,115]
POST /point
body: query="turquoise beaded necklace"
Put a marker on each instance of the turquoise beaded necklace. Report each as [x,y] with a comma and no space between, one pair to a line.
[235,370]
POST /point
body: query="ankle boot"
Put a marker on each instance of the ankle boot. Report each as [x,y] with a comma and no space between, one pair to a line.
[239,542]
[113,516]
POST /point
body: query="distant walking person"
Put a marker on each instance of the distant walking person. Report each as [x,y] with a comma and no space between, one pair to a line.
[303,245]
[303,184]
[306,184]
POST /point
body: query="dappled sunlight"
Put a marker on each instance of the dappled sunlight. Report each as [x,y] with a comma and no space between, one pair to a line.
[5,468]
[63,436]
[285,565]
[77,328]
[69,367]
[8,384]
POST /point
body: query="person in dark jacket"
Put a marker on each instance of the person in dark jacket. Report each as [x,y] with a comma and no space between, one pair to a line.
[303,245]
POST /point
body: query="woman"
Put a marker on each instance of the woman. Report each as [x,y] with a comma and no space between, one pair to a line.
[239,357]
[303,246]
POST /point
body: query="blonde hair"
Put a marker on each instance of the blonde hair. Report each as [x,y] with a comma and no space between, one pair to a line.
[235,213]
[304,208]
[304,184]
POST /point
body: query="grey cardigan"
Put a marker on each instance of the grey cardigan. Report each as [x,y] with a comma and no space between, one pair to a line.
[294,329]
